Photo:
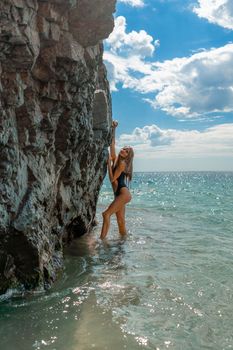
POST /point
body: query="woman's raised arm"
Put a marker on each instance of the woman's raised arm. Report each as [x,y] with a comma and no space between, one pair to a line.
[112,146]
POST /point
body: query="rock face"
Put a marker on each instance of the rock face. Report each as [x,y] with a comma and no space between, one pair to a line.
[55,117]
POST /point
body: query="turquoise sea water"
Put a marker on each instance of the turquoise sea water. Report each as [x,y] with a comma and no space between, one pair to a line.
[167,285]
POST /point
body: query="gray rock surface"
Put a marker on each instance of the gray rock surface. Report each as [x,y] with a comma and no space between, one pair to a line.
[55,117]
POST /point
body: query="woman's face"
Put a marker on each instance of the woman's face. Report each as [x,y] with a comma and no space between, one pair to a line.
[124,152]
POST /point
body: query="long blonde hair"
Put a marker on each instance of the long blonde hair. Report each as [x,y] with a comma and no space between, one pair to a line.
[128,163]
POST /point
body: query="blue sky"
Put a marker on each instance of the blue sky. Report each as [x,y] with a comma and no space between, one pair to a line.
[170,67]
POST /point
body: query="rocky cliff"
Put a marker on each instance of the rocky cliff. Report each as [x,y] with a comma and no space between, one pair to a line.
[55,117]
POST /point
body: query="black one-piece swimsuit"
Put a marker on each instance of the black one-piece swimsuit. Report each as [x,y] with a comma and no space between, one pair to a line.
[121,183]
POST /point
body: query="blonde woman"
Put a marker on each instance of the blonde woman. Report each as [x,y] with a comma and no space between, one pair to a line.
[120,169]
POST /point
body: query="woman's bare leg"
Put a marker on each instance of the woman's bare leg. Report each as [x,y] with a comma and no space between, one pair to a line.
[105,226]
[114,207]
[121,220]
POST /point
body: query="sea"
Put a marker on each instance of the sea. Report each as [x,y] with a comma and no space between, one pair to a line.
[168,284]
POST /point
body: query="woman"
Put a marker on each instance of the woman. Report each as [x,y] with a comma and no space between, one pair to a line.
[120,169]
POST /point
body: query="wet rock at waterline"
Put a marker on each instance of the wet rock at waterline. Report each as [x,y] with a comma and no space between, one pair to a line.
[55,117]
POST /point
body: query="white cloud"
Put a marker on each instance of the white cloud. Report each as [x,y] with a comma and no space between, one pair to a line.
[195,85]
[134,3]
[184,87]
[125,54]
[133,43]
[219,12]
[214,140]
[151,135]
[152,144]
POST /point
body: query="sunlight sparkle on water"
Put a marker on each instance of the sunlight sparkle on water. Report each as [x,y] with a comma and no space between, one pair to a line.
[142,340]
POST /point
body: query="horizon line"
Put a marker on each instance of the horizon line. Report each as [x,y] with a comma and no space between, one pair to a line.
[184,171]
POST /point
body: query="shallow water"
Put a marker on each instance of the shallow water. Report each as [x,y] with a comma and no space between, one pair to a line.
[167,285]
